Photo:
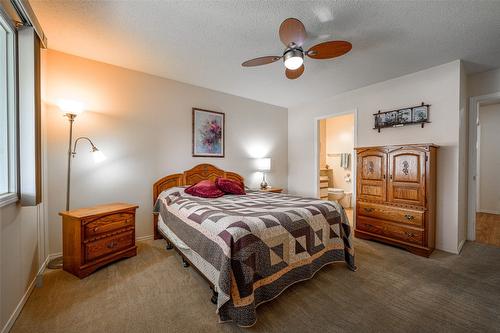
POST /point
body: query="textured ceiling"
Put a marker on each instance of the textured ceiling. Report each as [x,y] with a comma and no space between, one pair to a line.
[204,42]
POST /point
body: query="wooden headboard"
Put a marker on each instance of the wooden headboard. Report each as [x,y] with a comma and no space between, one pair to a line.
[188,177]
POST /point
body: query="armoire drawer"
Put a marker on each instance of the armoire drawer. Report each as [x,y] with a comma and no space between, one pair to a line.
[390,230]
[391,213]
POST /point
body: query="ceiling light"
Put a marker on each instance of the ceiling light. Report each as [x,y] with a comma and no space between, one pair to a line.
[293,59]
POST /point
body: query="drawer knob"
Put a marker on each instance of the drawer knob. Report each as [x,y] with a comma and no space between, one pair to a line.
[409,217]
[111,245]
[368,209]
[409,234]
[95,229]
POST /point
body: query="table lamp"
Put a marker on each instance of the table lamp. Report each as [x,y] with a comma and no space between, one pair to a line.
[263,165]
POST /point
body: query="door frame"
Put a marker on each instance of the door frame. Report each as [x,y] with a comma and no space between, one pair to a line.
[474,155]
[316,151]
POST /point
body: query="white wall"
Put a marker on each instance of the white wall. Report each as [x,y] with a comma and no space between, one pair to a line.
[463,144]
[20,257]
[438,86]
[340,139]
[143,124]
[489,164]
[484,83]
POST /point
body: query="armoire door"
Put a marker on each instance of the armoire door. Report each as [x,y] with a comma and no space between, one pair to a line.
[406,184]
[371,175]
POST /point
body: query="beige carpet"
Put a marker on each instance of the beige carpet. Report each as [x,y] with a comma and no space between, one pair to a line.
[392,291]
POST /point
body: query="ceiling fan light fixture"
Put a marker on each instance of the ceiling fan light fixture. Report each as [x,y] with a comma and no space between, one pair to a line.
[293,34]
[293,59]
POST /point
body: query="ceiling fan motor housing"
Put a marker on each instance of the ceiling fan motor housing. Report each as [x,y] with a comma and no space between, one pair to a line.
[291,53]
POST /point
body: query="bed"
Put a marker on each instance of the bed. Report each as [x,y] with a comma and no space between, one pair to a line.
[249,247]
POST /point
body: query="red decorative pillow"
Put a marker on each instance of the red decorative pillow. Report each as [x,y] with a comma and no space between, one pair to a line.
[230,186]
[204,189]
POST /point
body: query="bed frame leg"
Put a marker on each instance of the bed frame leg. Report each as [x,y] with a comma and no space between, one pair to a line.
[169,245]
[185,263]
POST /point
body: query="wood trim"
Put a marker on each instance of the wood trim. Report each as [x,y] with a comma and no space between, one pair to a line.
[90,213]
[223,133]
[38,123]
[192,176]
[425,146]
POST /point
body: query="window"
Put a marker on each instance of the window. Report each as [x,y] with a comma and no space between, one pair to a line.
[8,151]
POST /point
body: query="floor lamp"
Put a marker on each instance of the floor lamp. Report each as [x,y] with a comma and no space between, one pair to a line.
[71,109]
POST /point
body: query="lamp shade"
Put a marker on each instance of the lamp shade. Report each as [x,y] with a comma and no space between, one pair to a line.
[263,164]
[98,156]
[70,107]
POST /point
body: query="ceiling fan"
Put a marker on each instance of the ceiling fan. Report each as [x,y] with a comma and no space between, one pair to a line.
[293,34]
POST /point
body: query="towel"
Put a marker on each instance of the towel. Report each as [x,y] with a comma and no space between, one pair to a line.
[345,159]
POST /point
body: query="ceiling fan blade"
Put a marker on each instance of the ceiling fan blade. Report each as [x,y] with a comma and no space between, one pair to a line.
[293,74]
[328,50]
[260,61]
[292,31]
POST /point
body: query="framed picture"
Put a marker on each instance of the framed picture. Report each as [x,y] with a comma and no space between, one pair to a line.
[420,114]
[412,115]
[404,116]
[208,133]
[391,118]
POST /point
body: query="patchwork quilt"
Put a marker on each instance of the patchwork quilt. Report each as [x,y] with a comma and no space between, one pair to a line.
[257,244]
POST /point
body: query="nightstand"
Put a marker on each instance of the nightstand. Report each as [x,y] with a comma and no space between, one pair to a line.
[272,189]
[96,236]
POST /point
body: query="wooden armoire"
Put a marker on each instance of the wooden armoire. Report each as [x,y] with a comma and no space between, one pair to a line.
[396,196]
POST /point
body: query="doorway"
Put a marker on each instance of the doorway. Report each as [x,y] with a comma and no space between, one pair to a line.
[336,138]
[484,183]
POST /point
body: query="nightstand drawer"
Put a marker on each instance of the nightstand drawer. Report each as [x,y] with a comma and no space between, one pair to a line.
[107,224]
[108,245]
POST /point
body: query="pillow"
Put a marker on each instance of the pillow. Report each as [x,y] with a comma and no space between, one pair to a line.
[230,186]
[204,189]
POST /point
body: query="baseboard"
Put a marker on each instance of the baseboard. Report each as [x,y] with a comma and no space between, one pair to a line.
[20,305]
[461,245]
[54,255]
[487,211]
[144,238]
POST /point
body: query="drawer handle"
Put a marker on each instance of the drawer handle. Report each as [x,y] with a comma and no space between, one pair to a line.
[111,245]
[369,225]
[409,217]
[368,210]
[409,234]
